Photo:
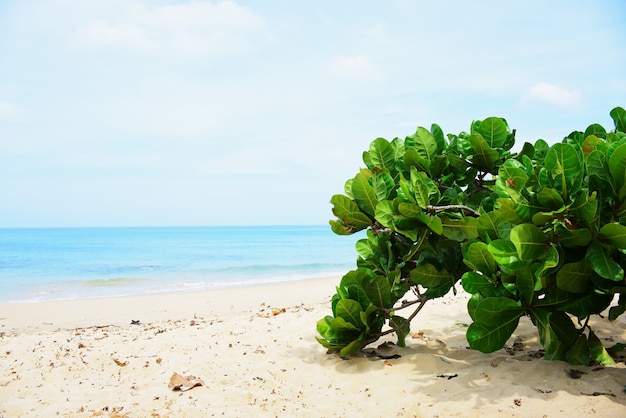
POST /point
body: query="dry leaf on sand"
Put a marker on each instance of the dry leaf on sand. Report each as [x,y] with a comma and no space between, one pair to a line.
[183,383]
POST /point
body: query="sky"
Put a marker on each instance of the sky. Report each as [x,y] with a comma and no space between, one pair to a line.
[176,113]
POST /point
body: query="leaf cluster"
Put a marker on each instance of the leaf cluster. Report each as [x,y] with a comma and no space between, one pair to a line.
[538,233]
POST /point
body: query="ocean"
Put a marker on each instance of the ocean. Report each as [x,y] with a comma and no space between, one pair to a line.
[68,263]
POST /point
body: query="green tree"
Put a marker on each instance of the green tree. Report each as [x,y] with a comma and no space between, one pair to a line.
[540,232]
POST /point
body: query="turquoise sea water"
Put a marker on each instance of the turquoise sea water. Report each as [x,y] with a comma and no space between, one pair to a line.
[68,263]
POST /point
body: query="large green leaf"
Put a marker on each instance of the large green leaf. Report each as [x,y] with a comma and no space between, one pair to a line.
[428,275]
[550,199]
[356,292]
[431,221]
[495,321]
[350,311]
[564,168]
[382,154]
[617,166]
[473,282]
[364,194]
[385,213]
[529,241]
[490,223]
[574,277]
[578,353]
[494,131]
[383,185]
[460,229]
[343,205]
[360,277]
[545,320]
[484,157]
[505,254]
[439,136]
[602,263]
[512,178]
[573,237]
[379,292]
[425,144]
[618,115]
[615,233]
[424,188]
[480,259]
[597,352]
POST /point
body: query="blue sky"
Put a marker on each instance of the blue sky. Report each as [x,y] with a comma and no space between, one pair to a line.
[146,112]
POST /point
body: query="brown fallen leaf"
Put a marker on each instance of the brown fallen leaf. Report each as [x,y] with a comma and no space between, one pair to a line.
[120,363]
[278,311]
[183,383]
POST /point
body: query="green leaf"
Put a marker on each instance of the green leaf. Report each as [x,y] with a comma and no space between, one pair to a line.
[480,259]
[615,233]
[340,324]
[598,352]
[574,277]
[525,283]
[356,292]
[343,205]
[529,241]
[550,199]
[364,194]
[489,224]
[360,277]
[351,348]
[484,157]
[495,321]
[574,238]
[379,292]
[473,282]
[431,221]
[350,311]
[424,188]
[425,144]
[505,254]
[602,263]
[386,213]
[459,229]
[553,347]
[494,130]
[564,167]
[618,115]
[383,185]
[340,229]
[402,327]
[427,275]
[382,154]
[512,178]
[579,352]
[439,136]
[617,166]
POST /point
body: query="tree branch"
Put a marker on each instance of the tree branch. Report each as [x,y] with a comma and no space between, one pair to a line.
[464,208]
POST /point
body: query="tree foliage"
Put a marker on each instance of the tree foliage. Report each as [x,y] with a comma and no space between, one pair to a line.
[538,233]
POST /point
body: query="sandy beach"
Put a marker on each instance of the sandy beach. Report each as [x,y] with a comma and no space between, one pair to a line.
[255,352]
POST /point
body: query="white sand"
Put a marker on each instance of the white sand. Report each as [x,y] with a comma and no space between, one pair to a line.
[83,358]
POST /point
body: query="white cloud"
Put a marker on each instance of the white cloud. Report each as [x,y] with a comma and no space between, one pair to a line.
[196,27]
[104,34]
[550,93]
[360,67]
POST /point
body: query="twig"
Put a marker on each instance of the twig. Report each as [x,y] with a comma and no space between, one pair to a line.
[453,207]
[405,323]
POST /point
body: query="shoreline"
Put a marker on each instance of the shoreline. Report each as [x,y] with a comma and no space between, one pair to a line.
[118,310]
[255,352]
